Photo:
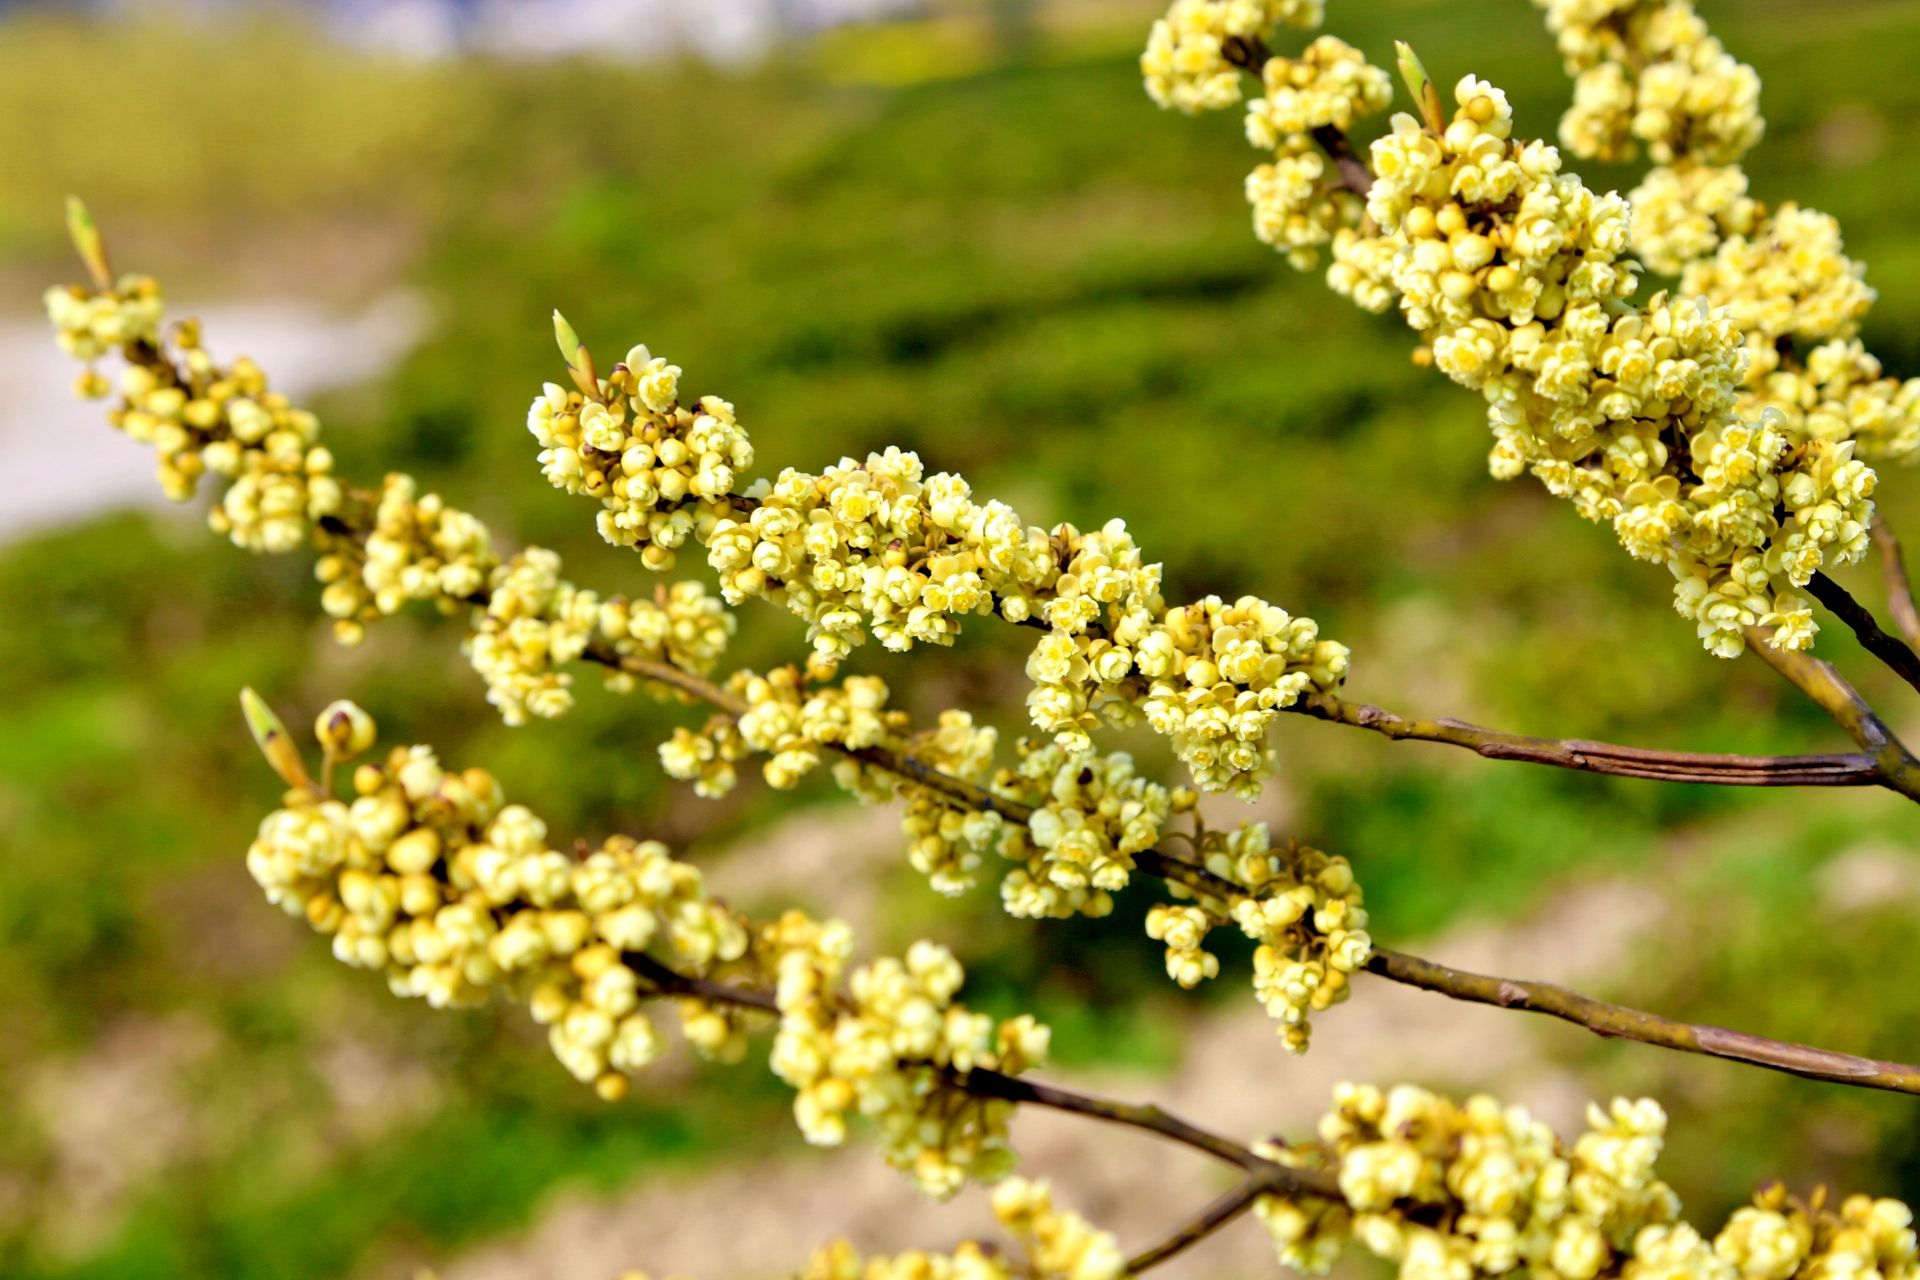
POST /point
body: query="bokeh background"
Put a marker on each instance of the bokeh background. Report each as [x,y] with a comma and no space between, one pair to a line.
[956,227]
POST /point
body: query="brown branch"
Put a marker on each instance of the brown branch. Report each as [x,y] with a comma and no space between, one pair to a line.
[1834,770]
[1617,1021]
[1209,1220]
[1151,1119]
[980,1082]
[1897,655]
[1353,171]
[1597,1016]
[1893,569]
[668,982]
[1840,700]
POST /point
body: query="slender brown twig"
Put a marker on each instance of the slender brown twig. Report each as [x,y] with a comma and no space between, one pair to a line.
[980,1082]
[1893,570]
[1894,653]
[1205,1223]
[1831,770]
[1598,1016]
[1841,701]
[1618,1021]
[1353,171]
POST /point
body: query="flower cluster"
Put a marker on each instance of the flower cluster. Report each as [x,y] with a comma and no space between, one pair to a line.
[1058,1243]
[1790,279]
[1091,814]
[1304,909]
[428,875]
[1649,72]
[891,1043]
[535,623]
[200,417]
[880,548]
[1453,1191]
[651,461]
[407,548]
[1839,392]
[90,323]
[1218,673]
[1187,64]
[1698,424]
[1516,275]
[378,550]
[1330,84]
[1299,203]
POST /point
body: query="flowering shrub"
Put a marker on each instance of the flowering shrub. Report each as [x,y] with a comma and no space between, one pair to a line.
[1723,426]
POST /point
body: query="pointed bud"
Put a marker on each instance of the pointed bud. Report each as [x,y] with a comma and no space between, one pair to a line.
[569,340]
[1420,85]
[579,359]
[88,243]
[271,737]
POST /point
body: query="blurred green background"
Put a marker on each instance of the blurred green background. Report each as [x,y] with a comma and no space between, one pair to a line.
[969,234]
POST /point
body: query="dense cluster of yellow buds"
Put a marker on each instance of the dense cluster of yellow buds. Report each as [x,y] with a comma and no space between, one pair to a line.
[200,417]
[1304,909]
[1715,428]
[535,623]
[880,548]
[1648,72]
[1299,203]
[1330,84]
[91,323]
[1682,211]
[891,1043]
[1057,1244]
[1301,906]
[1187,64]
[1790,279]
[655,470]
[1452,1191]
[1516,275]
[378,551]
[428,875]
[1091,814]
[408,548]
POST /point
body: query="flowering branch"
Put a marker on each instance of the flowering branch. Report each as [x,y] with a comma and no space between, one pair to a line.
[1598,1016]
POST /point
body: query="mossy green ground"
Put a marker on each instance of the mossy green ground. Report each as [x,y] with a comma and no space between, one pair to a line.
[1025,272]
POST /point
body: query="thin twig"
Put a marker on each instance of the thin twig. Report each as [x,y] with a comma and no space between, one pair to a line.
[1840,700]
[1897,655]
[980,1082]
[1598,1016]
[1205,1223]
[1620,1022]
[1831,770]
[1893,568]
[1353,171]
